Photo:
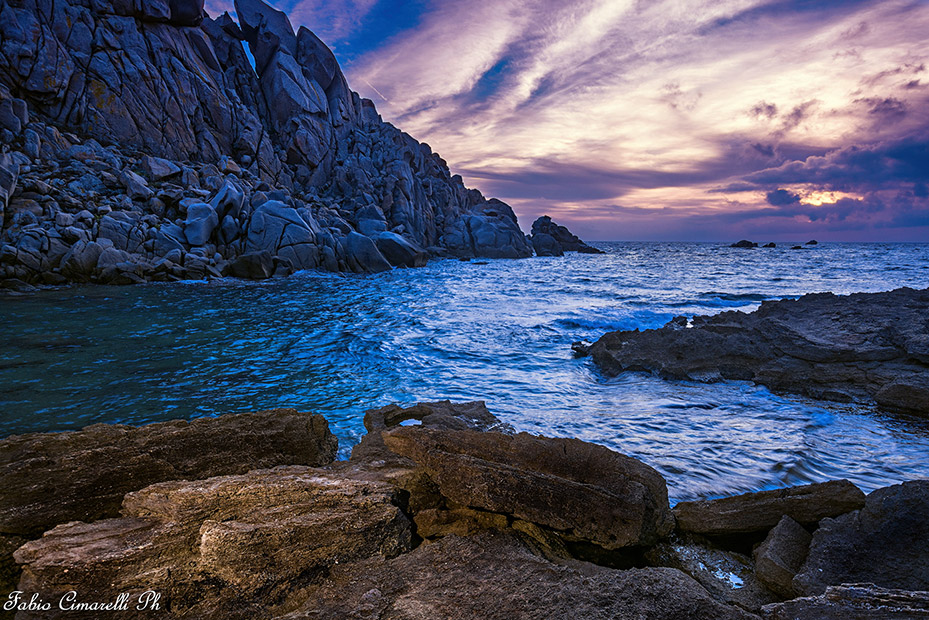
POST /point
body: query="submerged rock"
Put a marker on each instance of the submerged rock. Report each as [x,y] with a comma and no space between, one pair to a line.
[865,347]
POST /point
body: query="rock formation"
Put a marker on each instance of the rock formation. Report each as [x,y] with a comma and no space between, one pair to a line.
[550,239]
[443,511]
[865,347]
[138,142]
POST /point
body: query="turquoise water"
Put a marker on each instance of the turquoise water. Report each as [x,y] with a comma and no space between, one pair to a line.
[498,331]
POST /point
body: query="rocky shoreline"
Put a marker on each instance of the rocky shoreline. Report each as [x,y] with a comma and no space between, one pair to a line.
[442,511]
[138,142]
[869,348]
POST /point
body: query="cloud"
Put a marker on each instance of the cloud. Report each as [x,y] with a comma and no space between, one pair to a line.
[781,198]
[679,108]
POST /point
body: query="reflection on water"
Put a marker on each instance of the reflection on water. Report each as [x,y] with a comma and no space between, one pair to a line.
[499,331]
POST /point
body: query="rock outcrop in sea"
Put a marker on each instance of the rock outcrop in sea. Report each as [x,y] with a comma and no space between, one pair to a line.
[865,347]
[442,511]
[550,239]
[139,142]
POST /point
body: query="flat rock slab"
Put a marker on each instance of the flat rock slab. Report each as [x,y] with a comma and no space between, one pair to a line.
[584,492]
[853,602]
[495,576]
[225,547]
[759,512]
[868,347]
[52,478]
[885,543]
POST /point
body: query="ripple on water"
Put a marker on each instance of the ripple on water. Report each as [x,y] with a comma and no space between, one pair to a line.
[498,331]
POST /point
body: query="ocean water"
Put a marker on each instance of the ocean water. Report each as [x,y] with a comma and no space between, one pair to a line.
[493,330]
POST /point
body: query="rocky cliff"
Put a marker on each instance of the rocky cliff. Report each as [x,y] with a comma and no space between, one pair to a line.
[140,140]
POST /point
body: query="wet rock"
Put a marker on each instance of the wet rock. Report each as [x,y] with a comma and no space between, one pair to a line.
[853,602]
[399,252]
[253,266]
[744,243]
[780,556]
[226,547]
[53,478]
[603,498]
[554,240]
[761,511]
[727,575]
[885,543]
[363,255]
[497,576]
[865,347]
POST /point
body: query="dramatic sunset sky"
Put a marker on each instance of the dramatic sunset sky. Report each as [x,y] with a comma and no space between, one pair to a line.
[649,119]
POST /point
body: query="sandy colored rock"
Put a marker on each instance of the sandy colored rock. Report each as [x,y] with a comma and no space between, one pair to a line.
[759,512]
[52,478]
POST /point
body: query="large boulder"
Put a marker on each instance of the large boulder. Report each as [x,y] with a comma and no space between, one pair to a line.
[363,256]
[581,492]
[201,221]
[253,266]
[498,576]
[866,347]
[885,543]
[227,547]
[52,478]
[759,512]
[400,252]
[280,230]
[550,239]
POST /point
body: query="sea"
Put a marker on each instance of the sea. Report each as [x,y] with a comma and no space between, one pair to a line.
[493,330]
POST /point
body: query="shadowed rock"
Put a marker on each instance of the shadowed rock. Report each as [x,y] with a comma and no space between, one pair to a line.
[759,512]
[853,602]
[496,576]
[780,556]
[885,543]
[866,347]
[550,239]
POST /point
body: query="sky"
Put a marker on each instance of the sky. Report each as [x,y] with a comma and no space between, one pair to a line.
[772,120]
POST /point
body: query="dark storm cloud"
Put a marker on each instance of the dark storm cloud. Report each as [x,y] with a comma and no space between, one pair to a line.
[856,168]
[781,198]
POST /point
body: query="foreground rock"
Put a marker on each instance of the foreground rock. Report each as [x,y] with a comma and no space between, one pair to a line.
[227,547]
[550,239]
[865,347]
[885,543]
[493,575]
[759,512]
[143,126]
[52,478]
[853,602]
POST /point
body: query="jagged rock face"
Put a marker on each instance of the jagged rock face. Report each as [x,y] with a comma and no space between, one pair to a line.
[497,576]
[853,602]
[143,107]
[866,347]
[550,239]
[227,547]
